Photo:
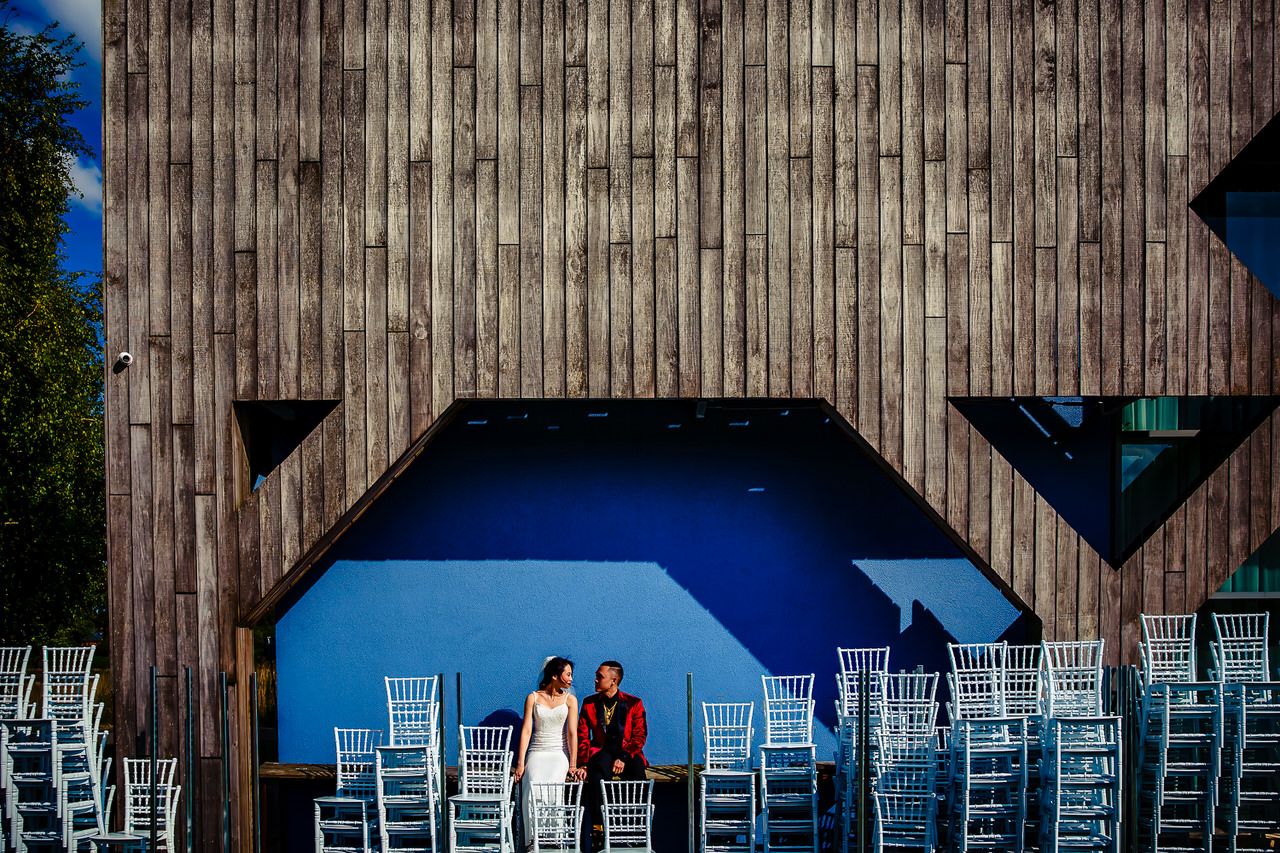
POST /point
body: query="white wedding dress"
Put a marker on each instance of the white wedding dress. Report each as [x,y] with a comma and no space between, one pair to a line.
[547,761]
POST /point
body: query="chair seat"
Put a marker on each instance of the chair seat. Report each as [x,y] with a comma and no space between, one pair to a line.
[480,799]
[727,774]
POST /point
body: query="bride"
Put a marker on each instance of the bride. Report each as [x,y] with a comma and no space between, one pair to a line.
[549,738]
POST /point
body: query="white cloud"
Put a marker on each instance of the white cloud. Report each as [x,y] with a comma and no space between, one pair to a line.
[87,178]
[82,17]
[20,27]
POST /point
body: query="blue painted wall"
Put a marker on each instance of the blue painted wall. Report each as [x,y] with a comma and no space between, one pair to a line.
[749,541]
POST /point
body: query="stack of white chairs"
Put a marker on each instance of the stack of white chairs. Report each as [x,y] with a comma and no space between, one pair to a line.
[853,664]
[68,690]
[346,820]
[481,813]
[15,684]
[139,815]
[989,763]
[1180,739]
[557,817]
[30,777]
[55,795]
[788,765]
[1080,805]
[627,810]
[408,817]
[406,769]
[905,791]
[1252,764]
[15,693]
[727,784]
[945,779]
[1251,715]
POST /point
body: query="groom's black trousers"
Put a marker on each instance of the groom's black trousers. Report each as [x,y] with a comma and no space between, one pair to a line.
[600,766]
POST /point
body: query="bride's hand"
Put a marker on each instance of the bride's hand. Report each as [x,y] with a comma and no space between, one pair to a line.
[518,772]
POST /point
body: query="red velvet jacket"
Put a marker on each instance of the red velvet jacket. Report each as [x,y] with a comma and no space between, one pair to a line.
[591,727]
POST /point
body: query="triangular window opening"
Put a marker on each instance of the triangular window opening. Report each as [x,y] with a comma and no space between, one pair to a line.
[1242,205]
[1258,576]
[273,429]
[1116,468]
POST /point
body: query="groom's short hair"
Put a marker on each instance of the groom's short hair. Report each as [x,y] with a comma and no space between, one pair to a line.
[616,667]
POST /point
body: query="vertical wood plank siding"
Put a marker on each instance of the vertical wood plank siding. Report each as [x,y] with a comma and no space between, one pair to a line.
[398,204]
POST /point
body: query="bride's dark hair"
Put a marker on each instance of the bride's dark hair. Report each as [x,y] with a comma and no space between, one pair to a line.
[552,669]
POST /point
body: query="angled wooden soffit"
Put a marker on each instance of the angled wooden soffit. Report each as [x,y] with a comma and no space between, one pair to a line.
[302,567]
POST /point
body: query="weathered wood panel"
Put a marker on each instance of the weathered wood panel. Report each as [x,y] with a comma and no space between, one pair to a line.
[395,205]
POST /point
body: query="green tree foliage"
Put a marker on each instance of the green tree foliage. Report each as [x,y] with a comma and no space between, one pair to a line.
[52,531]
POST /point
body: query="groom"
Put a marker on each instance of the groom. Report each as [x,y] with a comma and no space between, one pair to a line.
[611,735]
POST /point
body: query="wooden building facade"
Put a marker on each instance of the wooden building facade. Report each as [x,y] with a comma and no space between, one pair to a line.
[396,204]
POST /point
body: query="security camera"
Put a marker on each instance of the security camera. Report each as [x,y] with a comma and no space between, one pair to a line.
[123,360]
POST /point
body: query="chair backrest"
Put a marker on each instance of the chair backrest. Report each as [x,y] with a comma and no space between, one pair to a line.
[65,692]
[356,753]
[727,734]
[557,814]
[484,737]
[413,710]
[788,709]
[14,682]
[627,808]
[907,813]
[1022,682]
[908,704]
[484,772]
[1168,649]
[1240,653]
[977,680]
[906,763]
[1073,678]
[854,662]
[484,760]
[138,814]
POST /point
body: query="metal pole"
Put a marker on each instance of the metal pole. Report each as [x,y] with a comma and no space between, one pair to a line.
[444,781]
[689,779]
[458,697]
[151,738]
[864,723]
[226,766]
[187,760]
[257,779]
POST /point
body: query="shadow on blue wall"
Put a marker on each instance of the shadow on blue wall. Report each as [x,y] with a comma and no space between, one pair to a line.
[727,545]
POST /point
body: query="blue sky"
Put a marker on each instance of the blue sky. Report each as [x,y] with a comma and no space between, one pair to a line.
[83,18]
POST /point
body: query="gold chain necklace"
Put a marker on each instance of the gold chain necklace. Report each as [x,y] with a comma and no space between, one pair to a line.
[608,712]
